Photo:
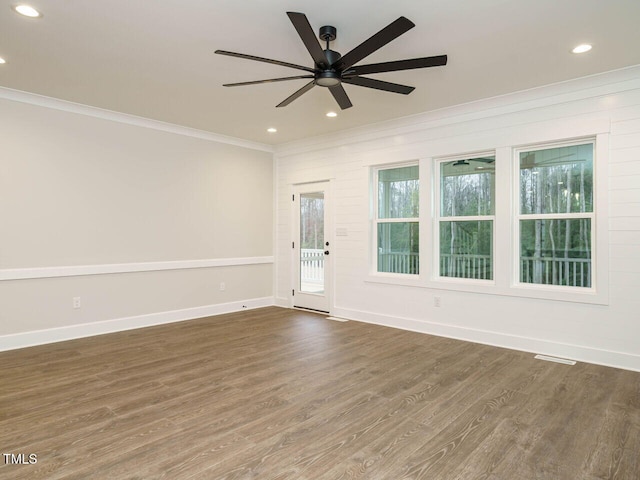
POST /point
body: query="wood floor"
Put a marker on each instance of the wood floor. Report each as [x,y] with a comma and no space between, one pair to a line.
[282,394]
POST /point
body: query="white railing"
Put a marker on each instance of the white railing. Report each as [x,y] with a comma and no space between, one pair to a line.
[571,272]
[398,262]
[312,265]
[479,267]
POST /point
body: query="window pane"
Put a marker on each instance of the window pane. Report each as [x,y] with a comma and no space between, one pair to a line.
[467,187]
[398,247]
[466,249]
[312,242]
[556,252]
[398,191]
[557,180]
[312,220]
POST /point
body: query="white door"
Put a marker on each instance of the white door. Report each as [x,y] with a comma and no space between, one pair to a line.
[311,247]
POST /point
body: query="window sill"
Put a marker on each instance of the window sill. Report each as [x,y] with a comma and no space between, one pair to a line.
[489,287]
[403,279]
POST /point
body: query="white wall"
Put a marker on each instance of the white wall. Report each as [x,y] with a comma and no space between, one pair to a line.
[140,219]
[606,331]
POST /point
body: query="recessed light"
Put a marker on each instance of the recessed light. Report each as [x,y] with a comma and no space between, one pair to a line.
[585,47]
[2,60]
[27,11]
[332,114]
[272,130]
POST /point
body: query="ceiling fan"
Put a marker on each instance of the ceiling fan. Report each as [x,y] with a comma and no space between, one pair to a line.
[465,162]
[331,70]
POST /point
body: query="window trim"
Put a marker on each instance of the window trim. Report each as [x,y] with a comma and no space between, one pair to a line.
[436,219]
[392,277]
[518,216]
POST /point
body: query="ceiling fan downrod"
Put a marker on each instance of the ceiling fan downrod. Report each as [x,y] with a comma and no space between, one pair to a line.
[328,77]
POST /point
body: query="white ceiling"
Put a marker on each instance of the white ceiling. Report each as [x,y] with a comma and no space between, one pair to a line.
[155,59]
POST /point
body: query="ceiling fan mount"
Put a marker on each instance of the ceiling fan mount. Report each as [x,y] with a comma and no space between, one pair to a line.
[328,34]
[331,69]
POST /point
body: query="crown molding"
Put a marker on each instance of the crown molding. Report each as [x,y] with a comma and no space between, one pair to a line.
[125,118]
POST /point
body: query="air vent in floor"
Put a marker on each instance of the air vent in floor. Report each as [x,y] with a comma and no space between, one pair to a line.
[555,359]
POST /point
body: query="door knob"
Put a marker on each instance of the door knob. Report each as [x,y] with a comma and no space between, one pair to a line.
[326,252]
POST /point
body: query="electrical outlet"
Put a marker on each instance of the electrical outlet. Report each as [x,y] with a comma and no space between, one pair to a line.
[76,302]
[437,301]
[223,286]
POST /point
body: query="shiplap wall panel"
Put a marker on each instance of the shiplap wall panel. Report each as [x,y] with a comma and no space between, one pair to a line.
[609,103]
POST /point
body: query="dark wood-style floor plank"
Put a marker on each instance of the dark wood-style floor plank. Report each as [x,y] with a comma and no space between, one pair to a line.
[281,394]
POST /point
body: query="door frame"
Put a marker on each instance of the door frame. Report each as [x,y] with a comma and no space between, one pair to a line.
[297,298]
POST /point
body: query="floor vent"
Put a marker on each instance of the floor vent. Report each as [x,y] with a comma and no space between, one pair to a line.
[555,359]
[337,319]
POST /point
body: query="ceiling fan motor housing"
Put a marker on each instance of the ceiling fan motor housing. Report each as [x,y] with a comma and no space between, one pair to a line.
[332,56]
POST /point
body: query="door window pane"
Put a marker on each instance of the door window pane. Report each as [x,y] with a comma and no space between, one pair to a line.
[556,252]
[466,249]
[312,242]
[398,247]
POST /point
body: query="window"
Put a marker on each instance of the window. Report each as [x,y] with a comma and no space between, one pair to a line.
[466,217]
[556,215]
[524,221]
[396,220]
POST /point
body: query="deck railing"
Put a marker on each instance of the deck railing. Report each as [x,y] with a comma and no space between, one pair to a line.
[479,267]
[573,272]
[398,262]
[311,265]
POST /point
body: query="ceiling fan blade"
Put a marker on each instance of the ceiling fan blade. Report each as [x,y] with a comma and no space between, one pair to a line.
[296,94]
[380,39]
[266,60]
[483,159]
[341,96]
[308,37]
[379,85]
[270,80]
[398,65]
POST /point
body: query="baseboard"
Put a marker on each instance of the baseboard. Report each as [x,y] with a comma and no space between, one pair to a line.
[626,361]
[282,302]
[60,334]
